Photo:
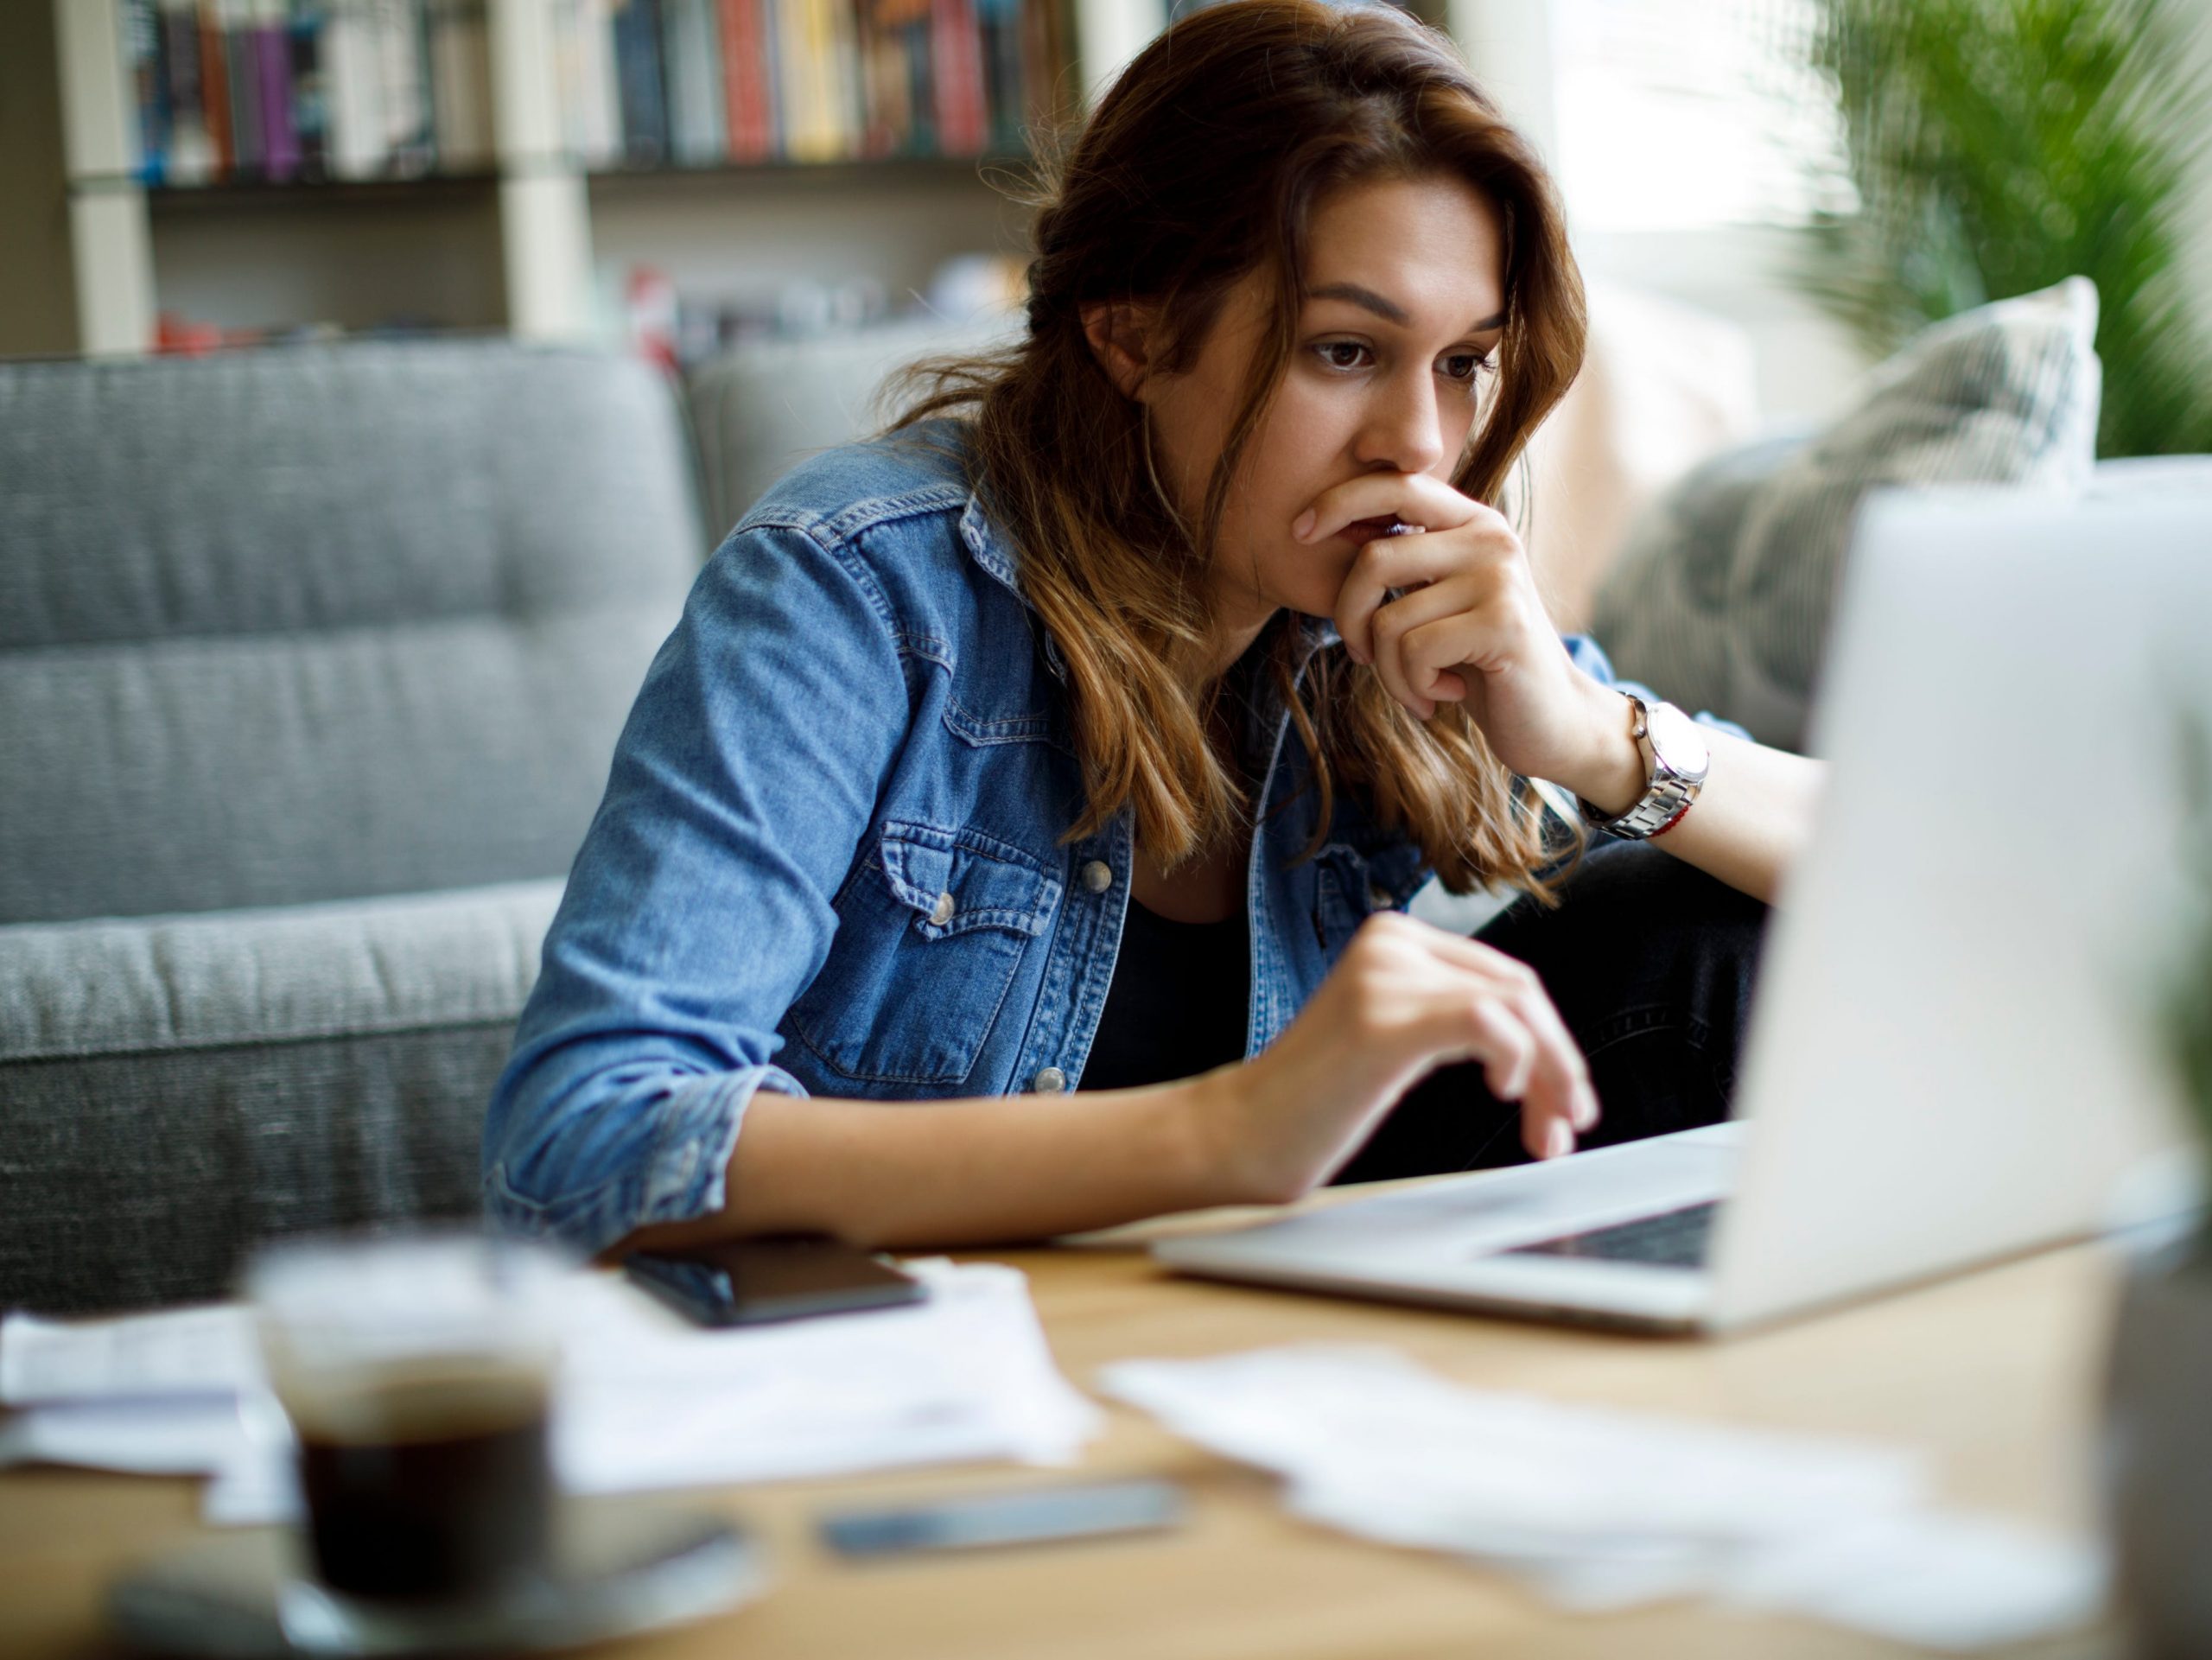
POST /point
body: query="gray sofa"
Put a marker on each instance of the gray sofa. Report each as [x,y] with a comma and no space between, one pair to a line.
[311,664]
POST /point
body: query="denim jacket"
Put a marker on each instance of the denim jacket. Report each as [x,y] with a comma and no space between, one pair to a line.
[829,861]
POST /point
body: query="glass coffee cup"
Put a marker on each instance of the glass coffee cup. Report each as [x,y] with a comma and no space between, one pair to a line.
[416,1372]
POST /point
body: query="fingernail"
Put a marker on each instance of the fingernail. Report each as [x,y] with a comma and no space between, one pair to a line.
[1303,524]
[1357,655]
[1559,1139]
[1586,1108]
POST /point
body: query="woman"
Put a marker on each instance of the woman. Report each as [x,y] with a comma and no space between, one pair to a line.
[1069,734]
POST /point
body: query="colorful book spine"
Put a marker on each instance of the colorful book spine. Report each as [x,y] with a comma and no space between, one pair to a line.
[956,56]
[844,73]
[880,122]
[459,51]
[748,100]
[798,102]
[819,80]
[691,42]
[1048,86]
[149,77]
[916,27]
[215,88]
[590,100]
[272,53]
[1005,78]
[242,64]
[813,92]
[637,72]
[354,109]
[772,49]
[191,158]
[352,89]
[310,99]
[403,79]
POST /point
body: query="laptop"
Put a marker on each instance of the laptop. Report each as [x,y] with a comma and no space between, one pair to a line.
[1952,1056]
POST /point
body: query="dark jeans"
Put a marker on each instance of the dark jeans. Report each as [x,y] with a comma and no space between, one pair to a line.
[1650,962]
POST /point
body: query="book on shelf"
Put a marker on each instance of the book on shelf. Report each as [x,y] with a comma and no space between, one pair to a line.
[749,118]
[303,42]
[272,52]
[956,55]
[242,75]
[691,46]
[585,77]
[650,83]
[641,98]
[399,32]
[281,90]
[459,38]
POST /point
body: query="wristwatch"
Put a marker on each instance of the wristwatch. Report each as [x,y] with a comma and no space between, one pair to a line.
[1675,759]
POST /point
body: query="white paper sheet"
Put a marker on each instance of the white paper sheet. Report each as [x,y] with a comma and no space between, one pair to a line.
[1602,1510]
[644,1399]
[179,1350]
[167,1435]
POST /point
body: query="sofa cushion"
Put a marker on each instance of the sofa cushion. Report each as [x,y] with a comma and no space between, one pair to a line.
[761,407]
[323,621]
[1721,595]
[173,1089]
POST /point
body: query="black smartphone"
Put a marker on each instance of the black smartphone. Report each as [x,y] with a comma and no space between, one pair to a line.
[752,1281]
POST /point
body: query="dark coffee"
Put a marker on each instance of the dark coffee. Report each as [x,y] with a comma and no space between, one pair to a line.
[428,1487]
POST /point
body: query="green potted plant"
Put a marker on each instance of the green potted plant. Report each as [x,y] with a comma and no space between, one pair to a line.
[1997,147]
[2158,1410]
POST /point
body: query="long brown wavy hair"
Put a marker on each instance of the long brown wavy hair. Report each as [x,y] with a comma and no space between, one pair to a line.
[1203,164]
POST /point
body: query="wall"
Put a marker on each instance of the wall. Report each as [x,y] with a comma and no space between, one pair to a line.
[1806,363]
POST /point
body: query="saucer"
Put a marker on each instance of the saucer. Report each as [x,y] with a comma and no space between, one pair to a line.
[622,1567]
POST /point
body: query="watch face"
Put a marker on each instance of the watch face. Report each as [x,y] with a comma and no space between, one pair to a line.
[1677,739]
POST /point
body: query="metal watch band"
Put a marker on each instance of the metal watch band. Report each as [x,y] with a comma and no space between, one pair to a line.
[1668,794]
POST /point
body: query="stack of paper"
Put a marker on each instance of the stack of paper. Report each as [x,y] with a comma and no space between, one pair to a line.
[152,1394]
[644,1400]
[1602,1510]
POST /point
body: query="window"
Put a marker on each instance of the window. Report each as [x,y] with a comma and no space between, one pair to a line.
[1679,114]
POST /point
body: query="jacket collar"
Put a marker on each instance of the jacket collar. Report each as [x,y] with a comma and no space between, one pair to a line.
[988,549]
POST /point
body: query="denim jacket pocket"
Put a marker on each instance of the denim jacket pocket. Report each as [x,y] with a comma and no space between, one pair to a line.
[930,930]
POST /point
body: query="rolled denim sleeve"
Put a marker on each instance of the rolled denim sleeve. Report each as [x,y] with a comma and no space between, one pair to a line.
[1591,659]
[700,905]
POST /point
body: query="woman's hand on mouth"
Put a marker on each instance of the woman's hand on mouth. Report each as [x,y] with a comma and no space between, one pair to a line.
[1453,615]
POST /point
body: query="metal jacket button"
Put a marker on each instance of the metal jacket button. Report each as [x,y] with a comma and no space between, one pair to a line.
[1098,875]
[1050,1081]
[941,913]
[1378,901]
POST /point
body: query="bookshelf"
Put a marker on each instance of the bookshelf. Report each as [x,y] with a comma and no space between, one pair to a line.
[522,236]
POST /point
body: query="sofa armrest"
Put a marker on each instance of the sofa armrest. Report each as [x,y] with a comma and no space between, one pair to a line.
[174,1089]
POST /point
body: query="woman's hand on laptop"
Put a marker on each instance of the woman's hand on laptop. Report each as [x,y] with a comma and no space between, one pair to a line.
[1404,999]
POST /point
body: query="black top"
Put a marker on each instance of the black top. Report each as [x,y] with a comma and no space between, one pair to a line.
[1180,1004]
[1177,1005]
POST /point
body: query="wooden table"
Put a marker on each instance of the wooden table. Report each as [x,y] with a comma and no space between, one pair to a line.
[1995,1374]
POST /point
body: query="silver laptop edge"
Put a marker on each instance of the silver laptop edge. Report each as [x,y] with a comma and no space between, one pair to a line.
[1950,1060]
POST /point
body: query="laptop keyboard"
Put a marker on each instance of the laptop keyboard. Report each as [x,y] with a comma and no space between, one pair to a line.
[1670,1239]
